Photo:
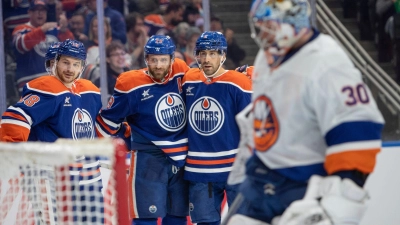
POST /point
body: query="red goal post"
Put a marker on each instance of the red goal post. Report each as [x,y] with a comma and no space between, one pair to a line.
[62,182]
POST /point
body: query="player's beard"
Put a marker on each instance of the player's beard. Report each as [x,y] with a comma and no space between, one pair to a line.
[160,73]
[66,77]
[209,69]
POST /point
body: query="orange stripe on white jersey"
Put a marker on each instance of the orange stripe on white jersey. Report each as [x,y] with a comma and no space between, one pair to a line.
[363,160]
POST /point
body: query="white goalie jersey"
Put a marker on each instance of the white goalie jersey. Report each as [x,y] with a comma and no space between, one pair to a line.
[314,114]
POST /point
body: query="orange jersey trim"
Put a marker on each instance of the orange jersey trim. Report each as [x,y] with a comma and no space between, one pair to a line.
[210,162]
[13,133]
[173,150]
[362,160]
[16,116]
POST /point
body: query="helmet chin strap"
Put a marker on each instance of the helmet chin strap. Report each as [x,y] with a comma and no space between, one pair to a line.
[212,75]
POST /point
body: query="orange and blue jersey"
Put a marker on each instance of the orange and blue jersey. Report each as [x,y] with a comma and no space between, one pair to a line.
[156,25]
[49,110]
[213,134]
[155,112]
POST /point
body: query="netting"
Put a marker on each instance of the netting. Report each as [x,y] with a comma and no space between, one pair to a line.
[63,182]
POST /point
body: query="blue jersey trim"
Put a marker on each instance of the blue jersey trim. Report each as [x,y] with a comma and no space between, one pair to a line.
[303,173]
[354,131]
[391,144]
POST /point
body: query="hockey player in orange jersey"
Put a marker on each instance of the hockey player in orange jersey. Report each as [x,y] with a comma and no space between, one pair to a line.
[213,98]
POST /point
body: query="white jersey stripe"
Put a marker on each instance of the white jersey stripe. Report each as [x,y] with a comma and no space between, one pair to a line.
[357,145]
[208,170]
[213,154]
[27,117]
[16,122]
[182,141]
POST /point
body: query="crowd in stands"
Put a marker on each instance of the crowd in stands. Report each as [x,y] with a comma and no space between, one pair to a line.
[31,26]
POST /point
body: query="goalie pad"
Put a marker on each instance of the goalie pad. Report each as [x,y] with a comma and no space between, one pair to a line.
[239,219]
[341,202]
[244,120]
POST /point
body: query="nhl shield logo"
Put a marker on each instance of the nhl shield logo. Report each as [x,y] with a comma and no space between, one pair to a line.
[153,209]
[170,112]
[266,125]
[206,116]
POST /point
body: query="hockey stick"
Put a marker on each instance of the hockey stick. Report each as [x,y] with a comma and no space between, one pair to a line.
[234,208]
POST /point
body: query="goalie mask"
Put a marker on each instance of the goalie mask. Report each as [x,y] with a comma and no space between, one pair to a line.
[279,22]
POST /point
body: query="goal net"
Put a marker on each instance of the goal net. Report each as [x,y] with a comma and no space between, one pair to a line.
[66,182]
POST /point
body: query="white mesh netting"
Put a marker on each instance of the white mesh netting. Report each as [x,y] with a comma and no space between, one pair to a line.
[62,182]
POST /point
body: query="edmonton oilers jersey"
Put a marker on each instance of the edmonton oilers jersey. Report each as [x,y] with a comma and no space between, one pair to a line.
[48,110]
[154,111]
[211,105]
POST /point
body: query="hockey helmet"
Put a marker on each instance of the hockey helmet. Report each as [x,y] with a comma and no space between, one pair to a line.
[72,48]
[159,45]
[51,53]
[211,40]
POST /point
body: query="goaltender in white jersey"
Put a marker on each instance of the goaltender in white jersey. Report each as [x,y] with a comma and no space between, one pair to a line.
[316,128]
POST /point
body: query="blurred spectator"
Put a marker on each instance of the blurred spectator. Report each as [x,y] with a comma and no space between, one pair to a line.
[116,20]
[191,14]
[136,33]
[31,41]
[93,42]
[384,10]
[192,35]
[163,24]
[116,64]
[235,53]
[15,13]
[77,27]
[145,7]
[180,55]
[10,66]
[179,34]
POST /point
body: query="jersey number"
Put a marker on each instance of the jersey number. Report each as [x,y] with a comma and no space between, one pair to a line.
[31,100]
[356,94]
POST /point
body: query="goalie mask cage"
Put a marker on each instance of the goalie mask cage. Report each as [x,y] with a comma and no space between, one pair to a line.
[63,183]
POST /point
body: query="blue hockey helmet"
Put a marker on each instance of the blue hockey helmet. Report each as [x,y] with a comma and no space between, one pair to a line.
[211,40]
[51,54]
[159,45]
[72,48]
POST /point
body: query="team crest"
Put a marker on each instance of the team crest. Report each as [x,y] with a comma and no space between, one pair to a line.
[266,126]
[42,47]
[170,112]
[82,125]
[206,116]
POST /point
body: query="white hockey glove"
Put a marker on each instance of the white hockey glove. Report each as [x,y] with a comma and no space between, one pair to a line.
[239,219]
[244,120]
[342,202]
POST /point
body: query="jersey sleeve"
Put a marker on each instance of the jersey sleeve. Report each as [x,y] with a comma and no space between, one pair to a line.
[32,109]
[120,105]
[348,118]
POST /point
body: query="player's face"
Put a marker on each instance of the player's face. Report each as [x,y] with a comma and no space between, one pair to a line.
[268,30]
[159,65]
[68,69]
[210,61]
[38,16]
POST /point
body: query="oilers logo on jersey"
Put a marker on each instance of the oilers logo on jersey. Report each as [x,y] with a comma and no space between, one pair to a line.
[82,124]
[170,112]
[266,125]
[206,116]
[42,47]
